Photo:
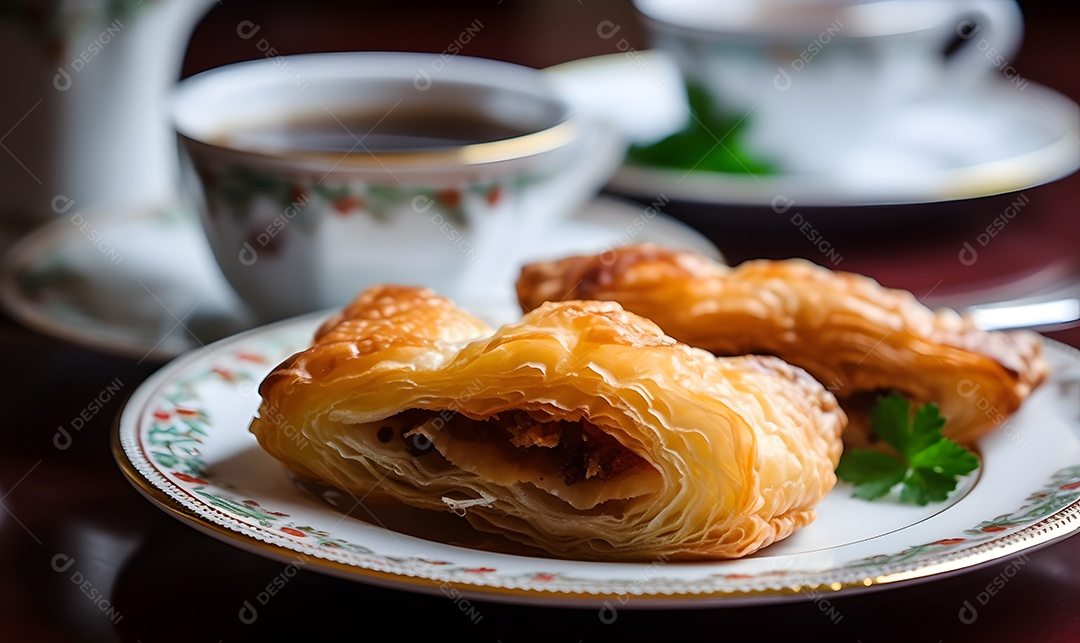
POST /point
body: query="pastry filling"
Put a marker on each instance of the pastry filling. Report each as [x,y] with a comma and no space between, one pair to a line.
[573,460]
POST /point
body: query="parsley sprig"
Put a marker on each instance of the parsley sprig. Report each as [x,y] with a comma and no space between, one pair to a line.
[929,463]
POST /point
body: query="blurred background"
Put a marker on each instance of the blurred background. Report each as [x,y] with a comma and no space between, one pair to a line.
[539,33]
[909,246]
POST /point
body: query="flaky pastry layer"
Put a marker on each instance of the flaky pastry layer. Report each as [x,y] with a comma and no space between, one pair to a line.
[856,337]
[582,430]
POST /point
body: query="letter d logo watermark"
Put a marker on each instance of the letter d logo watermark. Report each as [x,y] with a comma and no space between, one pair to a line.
[422,80]
[608,614]
[781,204]
[248,614]
[607,29]
[247,254]
[247,29]
[781,81]
[968,256]
[62,439]
[62,79]
[965,29]
[968,614]
[62,562]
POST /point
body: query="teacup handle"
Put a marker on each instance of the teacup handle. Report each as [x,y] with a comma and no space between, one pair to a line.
[987,35]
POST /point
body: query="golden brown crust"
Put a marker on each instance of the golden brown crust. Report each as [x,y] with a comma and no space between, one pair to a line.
[853,335]
[582,429]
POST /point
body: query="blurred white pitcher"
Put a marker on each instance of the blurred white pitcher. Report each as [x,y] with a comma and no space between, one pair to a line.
[83,120]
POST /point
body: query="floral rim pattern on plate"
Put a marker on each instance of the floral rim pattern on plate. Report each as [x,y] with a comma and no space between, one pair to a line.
[163,434]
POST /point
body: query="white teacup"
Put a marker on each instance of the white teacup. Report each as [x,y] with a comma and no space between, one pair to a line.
[318,175]
[809,79]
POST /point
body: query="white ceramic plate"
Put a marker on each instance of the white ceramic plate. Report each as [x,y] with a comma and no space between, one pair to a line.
[143,282]
[183,441]
[996,138]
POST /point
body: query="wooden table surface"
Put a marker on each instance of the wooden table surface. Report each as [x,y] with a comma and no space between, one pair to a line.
[169,582]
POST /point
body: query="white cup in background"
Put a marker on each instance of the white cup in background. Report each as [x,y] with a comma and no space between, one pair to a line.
[811,78]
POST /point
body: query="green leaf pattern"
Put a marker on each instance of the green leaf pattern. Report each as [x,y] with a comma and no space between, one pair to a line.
[232,192]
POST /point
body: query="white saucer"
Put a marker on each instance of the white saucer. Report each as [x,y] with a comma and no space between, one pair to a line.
[998,138]
[143,283]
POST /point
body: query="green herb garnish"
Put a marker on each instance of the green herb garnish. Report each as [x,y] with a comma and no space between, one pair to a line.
[928,465]
[710,142]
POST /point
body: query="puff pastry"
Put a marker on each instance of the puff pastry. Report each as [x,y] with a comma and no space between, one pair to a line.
[582,430]
[856,337]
